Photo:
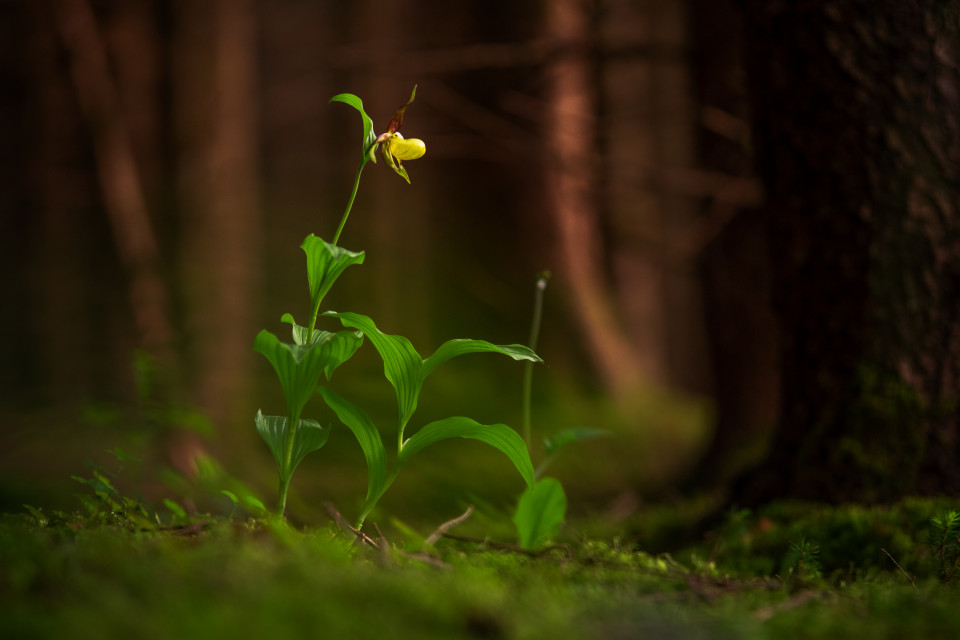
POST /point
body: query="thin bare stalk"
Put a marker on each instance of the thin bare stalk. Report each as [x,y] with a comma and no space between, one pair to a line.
[541,285]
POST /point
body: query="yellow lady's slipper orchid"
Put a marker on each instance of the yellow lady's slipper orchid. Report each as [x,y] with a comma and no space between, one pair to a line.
[403,149]
[395,147]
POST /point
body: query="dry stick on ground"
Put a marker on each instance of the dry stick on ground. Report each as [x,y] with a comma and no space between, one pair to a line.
[385,558]
[506,546]
[347,528]
[446,526]
[765,613]
[441,531]
[384,546]
[901,568]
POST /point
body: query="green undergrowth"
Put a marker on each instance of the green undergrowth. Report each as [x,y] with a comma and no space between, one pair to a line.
[852,542]
[790,570]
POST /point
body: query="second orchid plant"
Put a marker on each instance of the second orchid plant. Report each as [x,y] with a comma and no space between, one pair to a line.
[315,353]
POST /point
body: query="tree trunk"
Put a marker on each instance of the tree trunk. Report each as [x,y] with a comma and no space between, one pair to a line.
[218,114]
[734,263]
[857,108]
[120,180]
[571,182]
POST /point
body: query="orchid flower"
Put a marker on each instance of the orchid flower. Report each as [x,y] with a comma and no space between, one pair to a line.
[395,147]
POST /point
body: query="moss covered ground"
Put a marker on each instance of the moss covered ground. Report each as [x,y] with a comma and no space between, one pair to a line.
[787,571]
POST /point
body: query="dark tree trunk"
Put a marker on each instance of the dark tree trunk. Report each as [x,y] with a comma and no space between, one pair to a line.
[857,116]
[734,264]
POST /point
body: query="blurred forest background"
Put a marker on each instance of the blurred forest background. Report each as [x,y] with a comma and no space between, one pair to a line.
[750,213]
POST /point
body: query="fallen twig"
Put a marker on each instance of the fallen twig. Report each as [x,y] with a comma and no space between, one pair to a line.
[893,560]
[385,558]
[765,613]
[446,526]
[346,527]
[507,546]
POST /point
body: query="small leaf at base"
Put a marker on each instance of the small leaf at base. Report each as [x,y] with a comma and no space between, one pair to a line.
[540,513]
[273,429]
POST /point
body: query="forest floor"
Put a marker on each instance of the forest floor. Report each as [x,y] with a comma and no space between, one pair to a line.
[787,571]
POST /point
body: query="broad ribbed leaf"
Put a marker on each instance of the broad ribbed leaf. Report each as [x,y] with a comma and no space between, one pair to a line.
[369,137]
[342,345]
[309,437]
[367,435]
[299,333]
[496,435]
[402,365]
[325,263]
[299,366]
[540,513]
[453,348]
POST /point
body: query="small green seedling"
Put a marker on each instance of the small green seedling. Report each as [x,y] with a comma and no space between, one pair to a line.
[802,559]
[944,541]
[108,505]
[314,353]
[542,508]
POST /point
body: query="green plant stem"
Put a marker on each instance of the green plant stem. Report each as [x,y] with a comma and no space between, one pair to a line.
[367,508]
[315,312]
[285,471]
[532,343]
[353,195]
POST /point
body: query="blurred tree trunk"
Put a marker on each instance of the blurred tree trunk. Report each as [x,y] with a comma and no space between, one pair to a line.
[53,221]
[572,176]
[120,179]
[857,108]
[650,194]
[735,262]
[217,112]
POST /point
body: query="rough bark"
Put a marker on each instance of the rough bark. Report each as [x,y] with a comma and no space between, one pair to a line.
[858,123]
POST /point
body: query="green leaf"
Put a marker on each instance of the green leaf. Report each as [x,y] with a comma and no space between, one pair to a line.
[369,137]
[402,365]
[459,347]
[348,343]
[309,437]
[299,332]
[299,366]
[175,509]
[121,455]
[254,504]
[567,436]
[540,513]
[369,438]
[496,435]
[325,263]
[38,518]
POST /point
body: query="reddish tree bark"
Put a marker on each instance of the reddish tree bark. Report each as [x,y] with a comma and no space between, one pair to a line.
[218,115]
[572,175]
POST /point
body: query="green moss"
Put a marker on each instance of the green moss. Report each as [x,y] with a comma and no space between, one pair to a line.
[83,579]
[855,541]
[884,429]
